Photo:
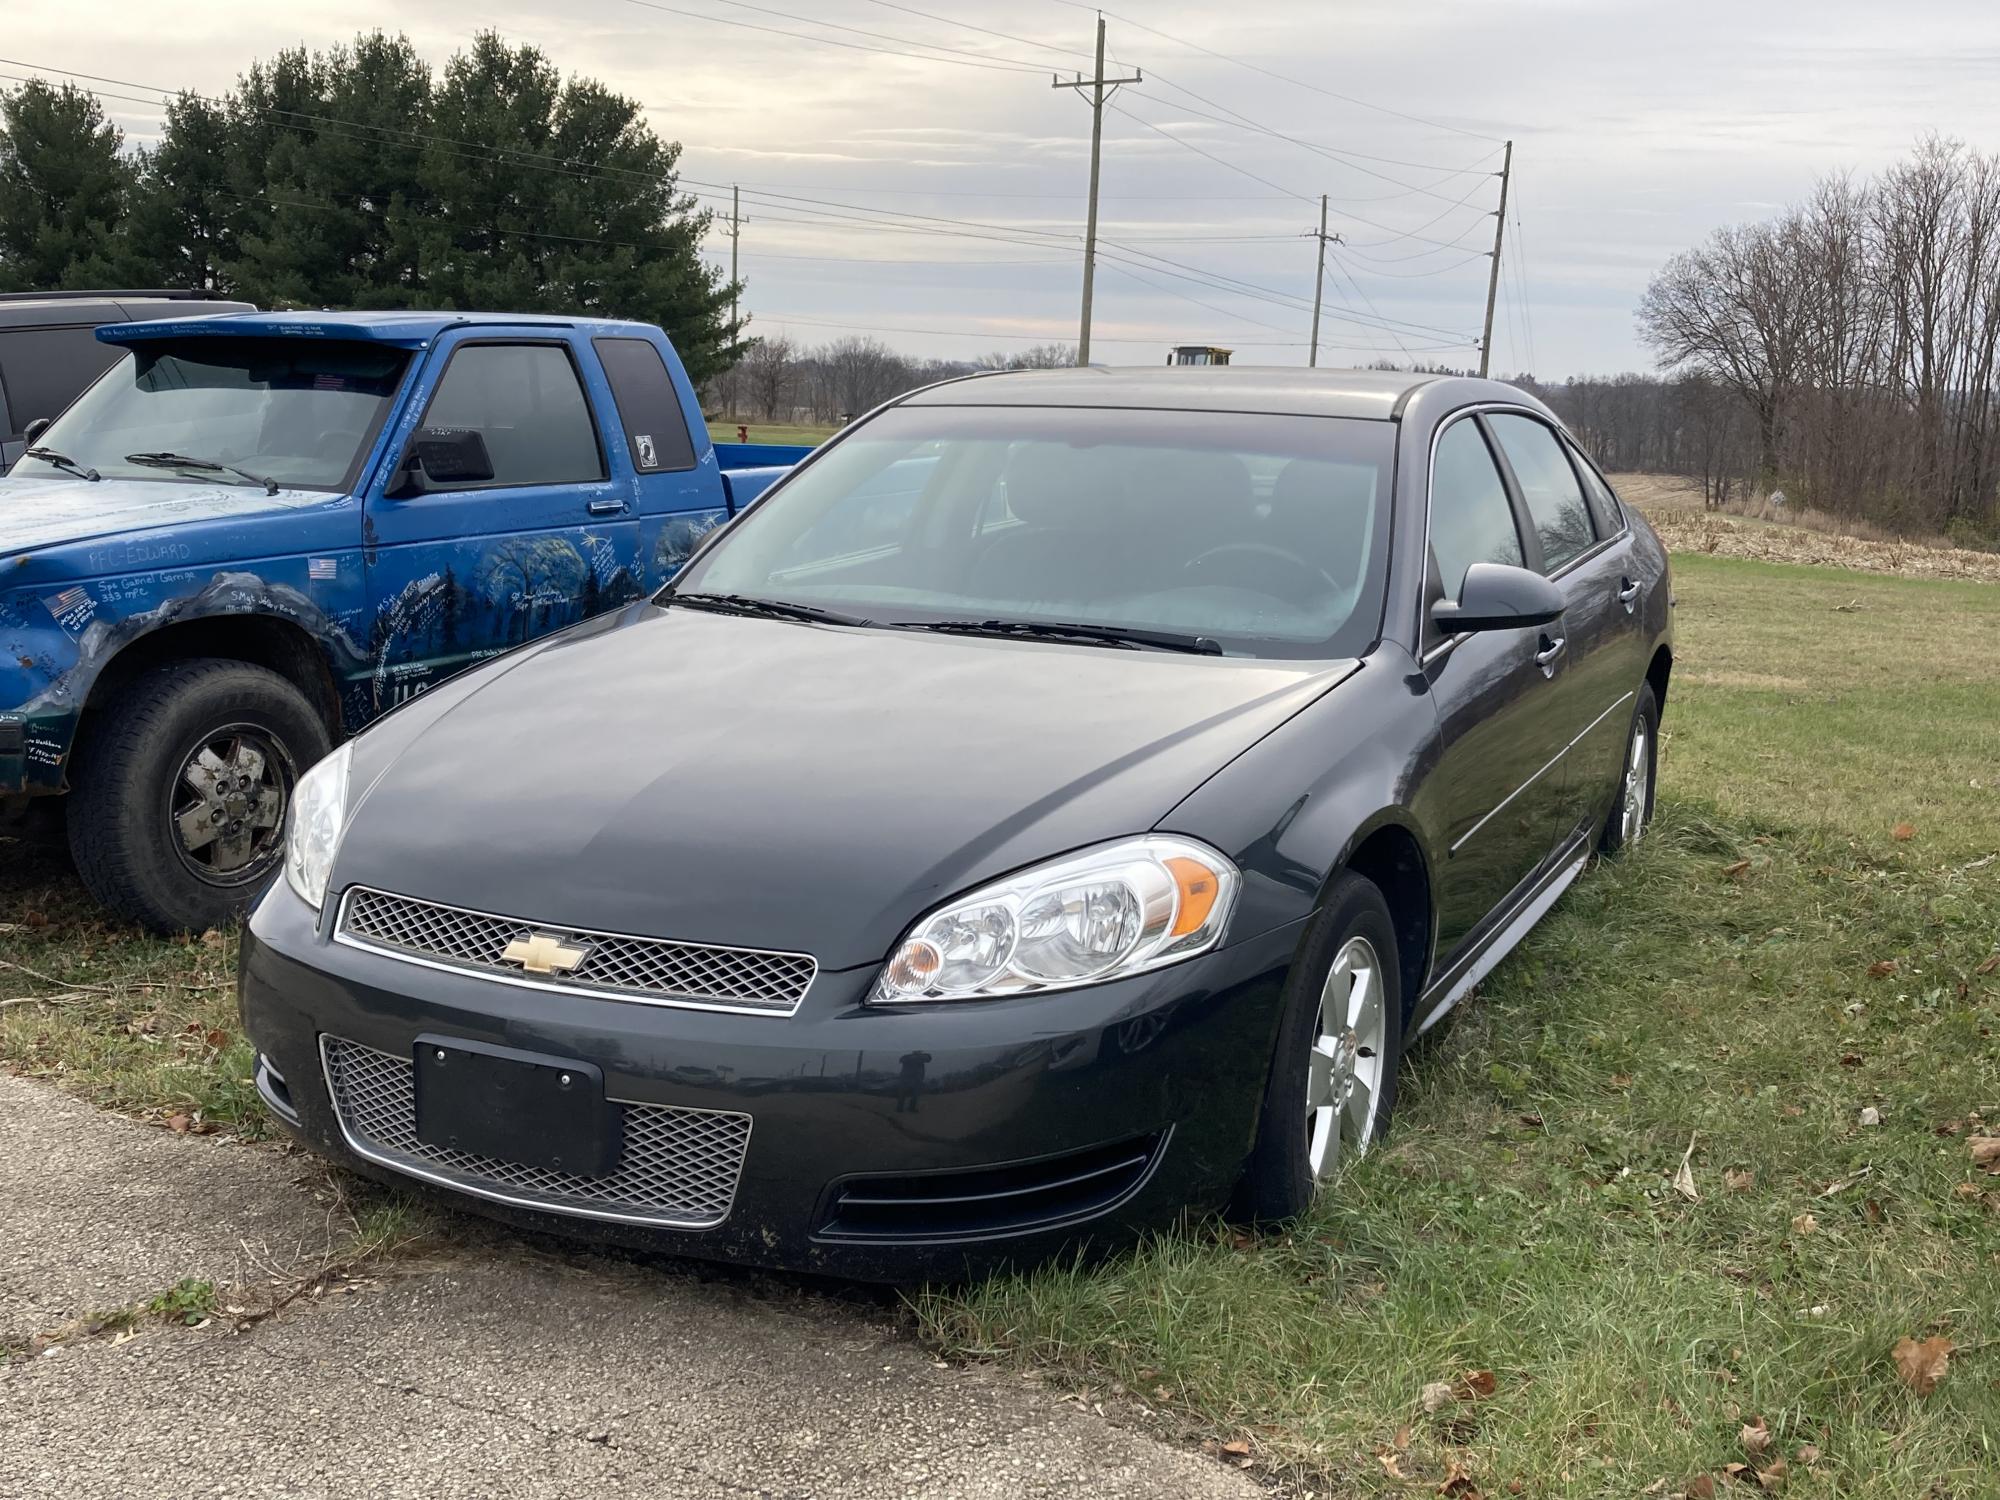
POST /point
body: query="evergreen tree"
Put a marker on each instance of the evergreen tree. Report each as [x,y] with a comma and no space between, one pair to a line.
[63,187]
[187,210]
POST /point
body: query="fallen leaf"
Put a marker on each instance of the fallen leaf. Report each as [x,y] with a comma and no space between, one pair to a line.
[35,918]
[1236,1447]
[1851,1059]
[1870,1115]
[1903,832]
[1922,1365]
[1873,1211]
[1390,1466]
[1986,1153]
[1988,965]
[1743,1472]
[1793,1111]
[1774,1477]
[1807,1454]
[1736,871]
[1684,1178]
[1804,1224]
[1401,1440]
[217,1040]
[1621,1080]
[178,1124]
[1436,1396]
[211,938]
[1882,968]
[1966,1190]
[1701,1487]
[1756,1436]
[1458,1484]
[1478,1385]
[1739,1181]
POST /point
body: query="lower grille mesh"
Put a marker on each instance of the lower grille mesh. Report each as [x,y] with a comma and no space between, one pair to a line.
[678,1167]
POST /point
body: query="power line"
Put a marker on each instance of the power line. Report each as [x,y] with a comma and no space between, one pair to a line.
[779,317]
[1282,77]
[1219,161]
[828,41]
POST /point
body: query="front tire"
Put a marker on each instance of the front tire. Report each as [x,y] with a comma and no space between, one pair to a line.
[1632,807]
[1333,1081]
[178,815]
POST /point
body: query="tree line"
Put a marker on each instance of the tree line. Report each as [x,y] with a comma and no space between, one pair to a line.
[359,178]
[1847,348]
[781,380]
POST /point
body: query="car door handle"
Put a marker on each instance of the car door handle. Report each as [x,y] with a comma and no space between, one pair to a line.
[1546,657]
[608,507]
[1628,595]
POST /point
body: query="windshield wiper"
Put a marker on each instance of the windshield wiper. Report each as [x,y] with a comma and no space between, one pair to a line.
[64,462]
[776,609]
[1130,637]
[207,465]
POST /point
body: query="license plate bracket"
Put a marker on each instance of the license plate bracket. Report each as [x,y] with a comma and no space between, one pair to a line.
[525,1107]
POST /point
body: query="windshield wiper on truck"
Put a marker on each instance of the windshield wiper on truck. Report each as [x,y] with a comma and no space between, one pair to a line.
[1128,636]
[206,465]
[64,462]
[776,609]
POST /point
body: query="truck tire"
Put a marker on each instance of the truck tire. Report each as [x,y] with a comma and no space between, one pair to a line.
[177,817]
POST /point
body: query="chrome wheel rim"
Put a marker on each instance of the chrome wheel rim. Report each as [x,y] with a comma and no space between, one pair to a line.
[1344,1070]
[227,804]
[1638,786]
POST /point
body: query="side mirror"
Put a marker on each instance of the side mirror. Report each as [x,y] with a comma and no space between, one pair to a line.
[1499,596]
[452,455]
[34,430]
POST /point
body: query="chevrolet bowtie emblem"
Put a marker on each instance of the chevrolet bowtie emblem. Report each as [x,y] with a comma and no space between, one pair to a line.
[539,953]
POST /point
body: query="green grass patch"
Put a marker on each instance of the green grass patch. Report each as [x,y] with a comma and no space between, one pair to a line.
[1722,989]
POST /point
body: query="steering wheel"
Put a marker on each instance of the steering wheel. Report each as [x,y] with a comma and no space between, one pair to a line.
[1313,582]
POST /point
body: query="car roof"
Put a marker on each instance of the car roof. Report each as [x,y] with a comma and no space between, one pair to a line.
[63,310]
[405,328]
[1377,394]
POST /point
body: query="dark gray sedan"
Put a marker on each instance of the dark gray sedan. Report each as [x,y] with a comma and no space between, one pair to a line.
[1051,808]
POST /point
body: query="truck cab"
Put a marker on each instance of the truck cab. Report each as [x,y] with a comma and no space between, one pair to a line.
[256,533]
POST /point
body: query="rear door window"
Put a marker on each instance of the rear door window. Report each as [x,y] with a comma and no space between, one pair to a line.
[1603,503]
[1548,486]
[656,432]
[526,402]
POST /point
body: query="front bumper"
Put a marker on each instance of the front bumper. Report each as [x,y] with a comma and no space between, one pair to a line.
[932,1110]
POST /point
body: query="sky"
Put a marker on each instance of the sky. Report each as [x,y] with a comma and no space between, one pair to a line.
[936,201]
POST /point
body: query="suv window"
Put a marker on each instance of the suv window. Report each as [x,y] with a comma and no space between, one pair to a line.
[1548,486]
[655,429]
[526,402]
[1603,504]
[1472,519]
[46,367]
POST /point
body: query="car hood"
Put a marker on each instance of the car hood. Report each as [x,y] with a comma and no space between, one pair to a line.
[760,783]
[39,513]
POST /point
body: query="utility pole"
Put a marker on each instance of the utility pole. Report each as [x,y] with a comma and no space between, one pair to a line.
[1319,278]
[1097,84]
[736,223]
[1493,271]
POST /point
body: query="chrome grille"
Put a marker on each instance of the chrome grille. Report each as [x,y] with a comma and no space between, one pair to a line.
[656,969]
[678,1167]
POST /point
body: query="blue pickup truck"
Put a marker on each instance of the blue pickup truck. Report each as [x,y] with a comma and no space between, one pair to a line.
[255,533]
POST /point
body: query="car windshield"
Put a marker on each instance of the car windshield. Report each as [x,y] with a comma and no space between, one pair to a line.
[294,411]
[1261,535]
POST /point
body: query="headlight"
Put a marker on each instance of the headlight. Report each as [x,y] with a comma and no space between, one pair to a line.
[1104,914]
[312,836]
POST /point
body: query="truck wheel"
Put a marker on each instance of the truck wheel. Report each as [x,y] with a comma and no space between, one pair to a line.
[178,813]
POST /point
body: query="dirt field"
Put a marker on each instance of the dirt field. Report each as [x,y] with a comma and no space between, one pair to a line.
[1674,507]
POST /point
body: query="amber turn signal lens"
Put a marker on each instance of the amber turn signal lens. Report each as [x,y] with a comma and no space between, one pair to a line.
[1198,888]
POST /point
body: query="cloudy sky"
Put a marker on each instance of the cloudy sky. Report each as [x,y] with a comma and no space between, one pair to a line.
[936,200]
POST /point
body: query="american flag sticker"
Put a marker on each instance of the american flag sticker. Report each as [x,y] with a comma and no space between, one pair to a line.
[72,608]
[322,568]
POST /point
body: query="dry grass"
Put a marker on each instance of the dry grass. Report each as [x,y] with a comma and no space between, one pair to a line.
[1758,531]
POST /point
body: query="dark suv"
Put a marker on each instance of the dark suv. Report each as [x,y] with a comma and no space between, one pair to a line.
[49,351]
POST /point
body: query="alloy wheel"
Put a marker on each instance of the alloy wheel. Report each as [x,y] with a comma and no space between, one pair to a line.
[228,804]
[1344,1071]
[1638,786]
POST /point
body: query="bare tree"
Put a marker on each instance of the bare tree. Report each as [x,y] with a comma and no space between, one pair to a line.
[769,375]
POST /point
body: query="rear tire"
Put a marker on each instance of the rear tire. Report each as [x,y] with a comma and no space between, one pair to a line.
[1632,804]
[1347,967]
[177,817]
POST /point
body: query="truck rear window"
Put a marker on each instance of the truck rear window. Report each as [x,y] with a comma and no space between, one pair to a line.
[656,433]
[299,412]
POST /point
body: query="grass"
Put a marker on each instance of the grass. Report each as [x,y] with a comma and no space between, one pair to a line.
[1830,799]
[723,431]
[1721,989]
